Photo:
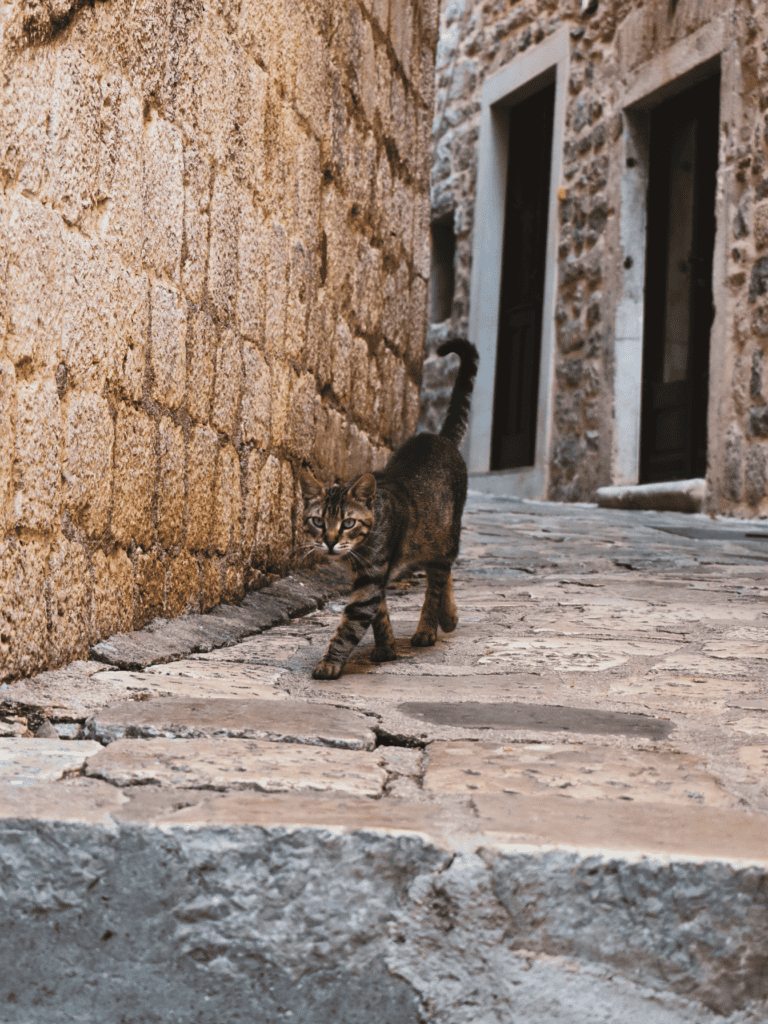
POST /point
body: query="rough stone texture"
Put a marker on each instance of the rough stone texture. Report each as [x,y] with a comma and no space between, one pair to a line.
[494,872]
[610,42]
[180,218]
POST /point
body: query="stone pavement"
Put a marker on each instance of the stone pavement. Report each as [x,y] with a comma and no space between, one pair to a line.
[558,813]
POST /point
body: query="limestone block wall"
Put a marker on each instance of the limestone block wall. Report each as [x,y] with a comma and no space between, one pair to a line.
[609,44]
[213,268]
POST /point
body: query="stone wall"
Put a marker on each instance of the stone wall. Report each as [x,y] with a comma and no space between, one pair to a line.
[213,267]
[609,43]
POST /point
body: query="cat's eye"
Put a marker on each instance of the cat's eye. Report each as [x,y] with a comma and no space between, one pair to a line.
[317,522]
[348,524]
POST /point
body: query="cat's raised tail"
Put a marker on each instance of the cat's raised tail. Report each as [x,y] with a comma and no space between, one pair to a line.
[458,408]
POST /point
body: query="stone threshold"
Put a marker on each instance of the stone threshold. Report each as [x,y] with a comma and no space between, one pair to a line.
[669,496]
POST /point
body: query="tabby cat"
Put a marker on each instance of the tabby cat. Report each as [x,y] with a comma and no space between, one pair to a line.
[386,524]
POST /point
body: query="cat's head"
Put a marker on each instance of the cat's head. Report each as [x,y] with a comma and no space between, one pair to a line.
[337,519]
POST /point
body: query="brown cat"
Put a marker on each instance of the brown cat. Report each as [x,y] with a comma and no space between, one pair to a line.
[386,524]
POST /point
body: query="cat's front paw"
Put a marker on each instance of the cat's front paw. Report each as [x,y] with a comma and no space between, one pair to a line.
[325,669]
[379,654]
[424,638]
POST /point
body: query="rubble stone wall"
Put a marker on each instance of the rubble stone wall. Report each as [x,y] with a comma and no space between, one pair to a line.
[609,43]
[213,267]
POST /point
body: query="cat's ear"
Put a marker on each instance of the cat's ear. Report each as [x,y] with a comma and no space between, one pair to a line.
[364,489]
[310,485]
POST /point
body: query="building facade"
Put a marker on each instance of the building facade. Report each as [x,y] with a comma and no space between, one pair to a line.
[214,255]
[600,226]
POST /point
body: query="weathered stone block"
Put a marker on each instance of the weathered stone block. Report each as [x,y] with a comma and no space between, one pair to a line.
[256,407]
[251,301]
[35,284]
[222,264]
[38,457]
[281,386]
[183,587]
[276,242]
[360,399]
[121,185]
[129,305]
[202,346]
[149,574]
[301,425]
[196,208]
[755,475]
[112,594]
[210,584]
[134,480]
[87,464]
[229,376]
[227,501]
[163,198]
[68,593]
[169,348]
[342,347]
[7,437]
[299,295]
[201,475]
[23,570]
[251,510]
[170,493]
[269,505]
[72,154]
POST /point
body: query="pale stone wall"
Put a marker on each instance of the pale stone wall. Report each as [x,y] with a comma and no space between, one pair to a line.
[213,267]
[609,45]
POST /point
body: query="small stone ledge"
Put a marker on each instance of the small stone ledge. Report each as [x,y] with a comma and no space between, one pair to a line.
[169,640]
[671,496]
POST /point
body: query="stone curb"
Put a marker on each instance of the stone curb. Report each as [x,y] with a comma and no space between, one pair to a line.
[169,640]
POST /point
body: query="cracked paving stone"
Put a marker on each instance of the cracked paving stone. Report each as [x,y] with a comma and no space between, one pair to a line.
[224,764]
[288,721]
[200,680]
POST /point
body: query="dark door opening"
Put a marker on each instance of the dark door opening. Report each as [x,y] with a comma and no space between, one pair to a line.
[518,355]
[678,284]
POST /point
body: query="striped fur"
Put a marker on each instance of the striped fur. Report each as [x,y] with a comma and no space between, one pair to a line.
[386,524]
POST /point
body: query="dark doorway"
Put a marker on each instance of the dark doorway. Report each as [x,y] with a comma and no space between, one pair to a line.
[678,284]
[522,281]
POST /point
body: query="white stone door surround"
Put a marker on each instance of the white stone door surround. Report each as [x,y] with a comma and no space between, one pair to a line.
[526,74]
[685,63]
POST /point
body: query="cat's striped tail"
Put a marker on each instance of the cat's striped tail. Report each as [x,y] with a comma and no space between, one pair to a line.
[458,408]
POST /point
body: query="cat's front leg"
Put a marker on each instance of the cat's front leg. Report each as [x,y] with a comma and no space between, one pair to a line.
[356,618]
[382,632]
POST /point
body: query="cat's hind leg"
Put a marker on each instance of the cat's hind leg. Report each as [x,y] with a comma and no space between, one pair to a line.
[448,617]
[382,632]
[438,577]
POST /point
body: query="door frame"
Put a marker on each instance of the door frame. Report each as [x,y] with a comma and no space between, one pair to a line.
[693,59]
[521,78]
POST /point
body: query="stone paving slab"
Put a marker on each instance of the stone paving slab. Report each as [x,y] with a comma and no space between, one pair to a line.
[639,855]
[27,762]
[238,764]
[181,718]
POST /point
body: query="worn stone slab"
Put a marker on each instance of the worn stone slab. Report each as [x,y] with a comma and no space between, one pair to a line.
[183,718]
[201,679]
[566,655]
[71,691]
[24,762]
[223,764]
[545,717]
[672,496]
[165,640]
[580,771]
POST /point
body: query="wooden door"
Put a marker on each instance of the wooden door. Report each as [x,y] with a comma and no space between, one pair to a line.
[522,281]
[678,292]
